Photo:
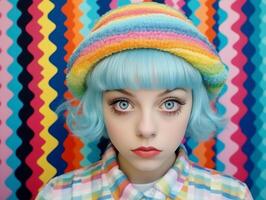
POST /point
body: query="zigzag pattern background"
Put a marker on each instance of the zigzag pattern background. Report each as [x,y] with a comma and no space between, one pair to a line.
[36,40]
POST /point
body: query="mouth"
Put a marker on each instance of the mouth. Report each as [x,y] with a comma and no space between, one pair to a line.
[146,152]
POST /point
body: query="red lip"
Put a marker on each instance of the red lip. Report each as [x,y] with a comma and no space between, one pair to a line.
[146,149]
[146,152]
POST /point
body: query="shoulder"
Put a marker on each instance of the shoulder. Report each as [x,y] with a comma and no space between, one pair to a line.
[218,183]
[78,179]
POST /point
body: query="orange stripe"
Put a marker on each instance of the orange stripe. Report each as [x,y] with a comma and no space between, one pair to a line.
[204,151]
[211,34]
[77,24]
[206,13]
[199,152]
[72,144]
[78,144]
[68,154]
[205,154]
[201,13]
[69,34]
[210,154]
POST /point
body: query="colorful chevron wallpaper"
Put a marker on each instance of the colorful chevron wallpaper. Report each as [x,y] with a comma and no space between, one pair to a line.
[37,38]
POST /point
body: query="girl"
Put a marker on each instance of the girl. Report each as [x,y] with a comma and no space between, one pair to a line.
[145,77]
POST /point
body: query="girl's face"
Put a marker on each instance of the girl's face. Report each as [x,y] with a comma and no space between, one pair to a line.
[137,119]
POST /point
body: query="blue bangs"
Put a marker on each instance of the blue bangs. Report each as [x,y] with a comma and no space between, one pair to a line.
[143,69]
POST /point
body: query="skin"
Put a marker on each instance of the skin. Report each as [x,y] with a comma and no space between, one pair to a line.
[157,118]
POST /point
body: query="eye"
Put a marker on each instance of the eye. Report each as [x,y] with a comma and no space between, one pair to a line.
[121,106]
[171,106]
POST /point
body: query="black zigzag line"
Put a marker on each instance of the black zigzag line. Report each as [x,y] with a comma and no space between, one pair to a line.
[23,172]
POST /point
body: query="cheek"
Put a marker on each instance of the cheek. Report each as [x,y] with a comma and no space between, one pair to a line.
[178,121]
[119,131]
[110,124]
[116,126]
[175,127]
[112,129]
[172,134]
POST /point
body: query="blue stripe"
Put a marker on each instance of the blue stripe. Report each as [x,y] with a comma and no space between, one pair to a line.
[204,187]
[117,182]
[106,197]
[247,123]
[57,83]
[13,122]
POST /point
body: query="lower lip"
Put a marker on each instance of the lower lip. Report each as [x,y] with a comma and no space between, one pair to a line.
[146,154]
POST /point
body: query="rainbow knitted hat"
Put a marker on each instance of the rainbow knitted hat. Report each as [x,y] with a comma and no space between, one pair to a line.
[146,25]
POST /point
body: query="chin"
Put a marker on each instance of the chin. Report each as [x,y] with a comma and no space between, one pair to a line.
[147,165]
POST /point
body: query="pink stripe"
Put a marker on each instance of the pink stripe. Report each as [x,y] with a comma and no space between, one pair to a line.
[170,3]
[181,3]
[113,4]
[177,4]
[33,28]
[228,54]
[240,158]
[147,35]
[137,1]
[5,96]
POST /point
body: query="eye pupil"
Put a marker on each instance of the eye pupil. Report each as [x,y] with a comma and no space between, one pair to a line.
[169,104]
[123,104]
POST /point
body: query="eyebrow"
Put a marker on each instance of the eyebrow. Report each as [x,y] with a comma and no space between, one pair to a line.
[130,94]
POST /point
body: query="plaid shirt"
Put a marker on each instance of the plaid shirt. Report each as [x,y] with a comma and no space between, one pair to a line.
[104,180]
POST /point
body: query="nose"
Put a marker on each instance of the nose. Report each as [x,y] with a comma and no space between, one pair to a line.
[147,126]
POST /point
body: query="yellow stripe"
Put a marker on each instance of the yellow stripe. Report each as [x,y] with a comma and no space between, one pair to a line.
[48,93]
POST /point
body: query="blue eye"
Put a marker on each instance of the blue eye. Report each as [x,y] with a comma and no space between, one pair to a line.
[170,104]
[123,105]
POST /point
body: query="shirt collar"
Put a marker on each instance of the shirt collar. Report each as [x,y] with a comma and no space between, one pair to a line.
[171,184]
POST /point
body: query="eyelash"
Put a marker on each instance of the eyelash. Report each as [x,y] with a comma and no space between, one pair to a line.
[169,113]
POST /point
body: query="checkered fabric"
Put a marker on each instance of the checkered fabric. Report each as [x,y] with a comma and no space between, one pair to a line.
[104,180]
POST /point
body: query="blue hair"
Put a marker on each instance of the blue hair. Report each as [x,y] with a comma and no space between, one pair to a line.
[142,69]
